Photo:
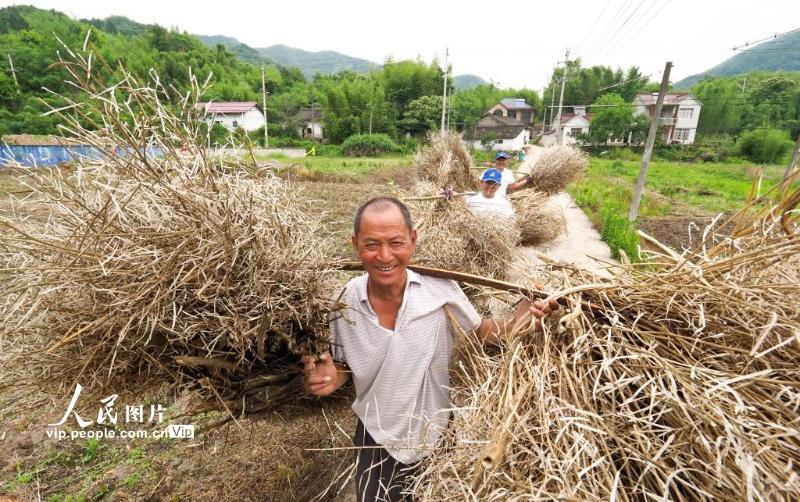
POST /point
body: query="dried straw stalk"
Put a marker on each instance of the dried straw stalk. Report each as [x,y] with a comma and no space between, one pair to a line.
[170,263]
[681,384]
[558,166]
[446,163]
[538,217]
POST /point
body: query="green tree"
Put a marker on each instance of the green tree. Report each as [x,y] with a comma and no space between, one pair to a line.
[586,85]
[422,115]
[613,118]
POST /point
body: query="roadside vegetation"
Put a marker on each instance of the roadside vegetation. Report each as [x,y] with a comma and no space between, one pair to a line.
[671,188]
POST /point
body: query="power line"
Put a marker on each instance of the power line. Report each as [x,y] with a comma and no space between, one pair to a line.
[609,31]
[596,22]
[655,15]
[622,26]
[624,42]
[771,37]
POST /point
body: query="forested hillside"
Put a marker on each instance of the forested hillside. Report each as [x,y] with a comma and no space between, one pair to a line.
[30,38]
[780,54]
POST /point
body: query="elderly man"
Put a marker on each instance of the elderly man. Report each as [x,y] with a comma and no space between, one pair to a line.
[488,202]
[395,340]
[507,184]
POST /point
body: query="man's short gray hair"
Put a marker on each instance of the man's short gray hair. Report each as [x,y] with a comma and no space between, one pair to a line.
[380,204]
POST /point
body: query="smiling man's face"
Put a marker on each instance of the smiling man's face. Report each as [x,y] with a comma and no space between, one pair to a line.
[489,188]
[385,245]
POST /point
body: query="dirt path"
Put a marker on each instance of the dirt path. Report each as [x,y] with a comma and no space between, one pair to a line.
[580,245]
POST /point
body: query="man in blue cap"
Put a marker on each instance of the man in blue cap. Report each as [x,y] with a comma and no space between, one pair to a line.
[489,201]
[507,184]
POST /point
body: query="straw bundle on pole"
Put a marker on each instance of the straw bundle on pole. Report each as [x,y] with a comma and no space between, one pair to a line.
[538,217]
[674,381]
[557,167]
[162,261]
[451,236]
[446,163]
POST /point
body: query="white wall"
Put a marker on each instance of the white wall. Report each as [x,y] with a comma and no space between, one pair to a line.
[510,145]
[507,145]
[249,121]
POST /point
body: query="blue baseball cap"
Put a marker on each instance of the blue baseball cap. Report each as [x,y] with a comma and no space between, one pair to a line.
[502,155]
[492,175]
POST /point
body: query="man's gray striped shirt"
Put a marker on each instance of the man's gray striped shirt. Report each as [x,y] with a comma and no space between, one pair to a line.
[402,377]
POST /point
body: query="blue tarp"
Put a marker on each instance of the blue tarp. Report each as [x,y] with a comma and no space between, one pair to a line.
[53,155]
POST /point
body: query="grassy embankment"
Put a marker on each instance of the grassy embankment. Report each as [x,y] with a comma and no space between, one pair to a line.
[671,189]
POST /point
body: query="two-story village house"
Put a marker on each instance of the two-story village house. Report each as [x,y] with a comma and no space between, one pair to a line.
[679,115]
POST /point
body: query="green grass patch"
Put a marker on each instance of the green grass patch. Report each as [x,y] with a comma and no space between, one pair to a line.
[351,165]
[605,193]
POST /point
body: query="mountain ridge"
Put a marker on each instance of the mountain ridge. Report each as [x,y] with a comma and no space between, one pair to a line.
[781,53]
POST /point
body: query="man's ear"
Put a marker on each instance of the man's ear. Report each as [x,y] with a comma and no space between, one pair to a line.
[414,237]
[354,242]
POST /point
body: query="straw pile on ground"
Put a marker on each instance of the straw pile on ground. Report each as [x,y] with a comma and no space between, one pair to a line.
[169,263]
[557,167]
[538,217]
[675,380]
[446,162]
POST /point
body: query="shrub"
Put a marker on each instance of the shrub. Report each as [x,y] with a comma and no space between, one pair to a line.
[619,233]
[367,145]
[764,145]
[329,151]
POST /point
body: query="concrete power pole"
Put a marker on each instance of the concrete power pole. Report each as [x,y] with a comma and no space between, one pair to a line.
[648,149]
[264,104]
[444,91]
[561,99]
[13,72]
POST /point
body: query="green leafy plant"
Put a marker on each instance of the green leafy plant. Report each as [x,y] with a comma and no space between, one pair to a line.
[366,145]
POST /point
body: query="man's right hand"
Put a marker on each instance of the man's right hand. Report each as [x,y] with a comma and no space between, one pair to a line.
[321,374]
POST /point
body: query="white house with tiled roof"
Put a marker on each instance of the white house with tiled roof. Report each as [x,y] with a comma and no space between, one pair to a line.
[516,108]
[233,114]
[501,133]
[680,114]
[572,125]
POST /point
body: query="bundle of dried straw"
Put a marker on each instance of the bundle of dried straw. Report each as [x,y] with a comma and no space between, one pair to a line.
[677,380]
[453,238]
[557,167]
[446,162]
[538,217]
[158,259]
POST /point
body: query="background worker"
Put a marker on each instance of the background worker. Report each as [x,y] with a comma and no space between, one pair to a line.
[507,183]
[487,201]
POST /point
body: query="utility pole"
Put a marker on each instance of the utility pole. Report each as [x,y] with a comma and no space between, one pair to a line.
[561,99]
[449,109]
[371,102]
[744,84]
[648,149]
[793,163]
[13,73]
[444,91]
[264,104]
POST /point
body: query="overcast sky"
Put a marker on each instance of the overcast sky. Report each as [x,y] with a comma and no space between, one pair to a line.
[513,43]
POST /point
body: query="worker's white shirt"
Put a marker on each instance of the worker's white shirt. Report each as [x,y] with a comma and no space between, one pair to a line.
[402,377]
[507,179]
[496,205]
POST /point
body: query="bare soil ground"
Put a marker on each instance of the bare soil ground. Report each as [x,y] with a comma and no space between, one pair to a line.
[679,232]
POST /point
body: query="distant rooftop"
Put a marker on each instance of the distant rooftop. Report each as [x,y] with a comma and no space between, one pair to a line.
[671,98]
[227,107]
[516,104]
